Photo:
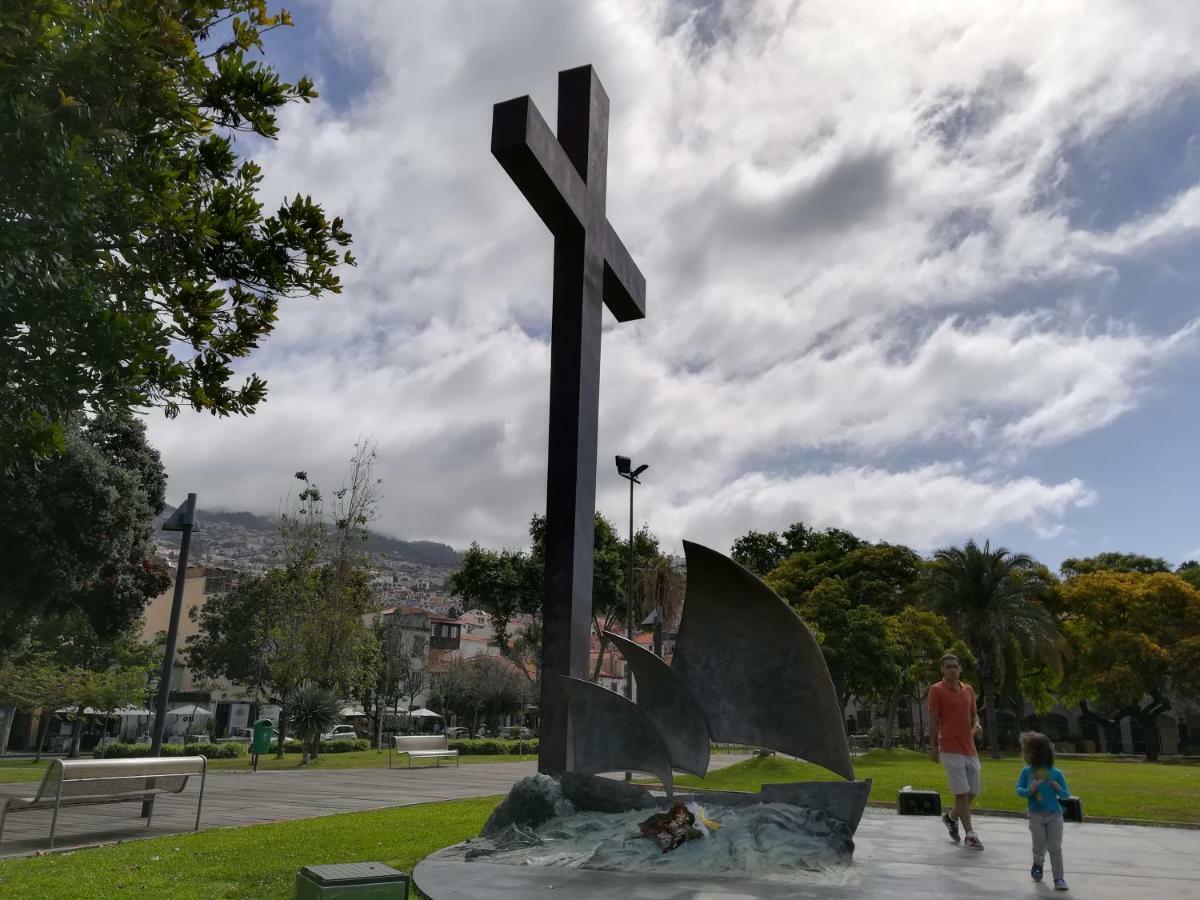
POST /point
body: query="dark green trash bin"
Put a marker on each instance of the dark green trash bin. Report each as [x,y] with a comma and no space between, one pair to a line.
[358,881]
[262,736]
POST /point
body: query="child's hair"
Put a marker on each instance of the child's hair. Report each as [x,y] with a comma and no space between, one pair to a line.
[1037,749]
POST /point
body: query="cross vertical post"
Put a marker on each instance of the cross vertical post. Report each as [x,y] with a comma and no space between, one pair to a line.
[564,179]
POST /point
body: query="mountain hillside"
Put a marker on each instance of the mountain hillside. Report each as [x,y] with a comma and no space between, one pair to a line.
[218,530]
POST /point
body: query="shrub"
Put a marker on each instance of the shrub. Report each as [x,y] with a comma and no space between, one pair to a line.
[492,746]
[291,745]
[231,750]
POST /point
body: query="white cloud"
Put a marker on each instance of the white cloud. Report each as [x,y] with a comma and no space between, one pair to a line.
[852,223]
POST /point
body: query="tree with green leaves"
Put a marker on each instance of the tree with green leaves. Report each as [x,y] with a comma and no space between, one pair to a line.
[854,641]
[502,584]
[75,531]
[1114,562]
[137,266]
[993,600]
[315,711]
[1137,645]
[882,576]
[918,638]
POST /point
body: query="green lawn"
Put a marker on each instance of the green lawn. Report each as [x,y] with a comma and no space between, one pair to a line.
[1121,789]
[13,770]
[259,861]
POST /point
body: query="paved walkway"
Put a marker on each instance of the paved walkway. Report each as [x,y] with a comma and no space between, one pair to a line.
[244,798]
[896,858]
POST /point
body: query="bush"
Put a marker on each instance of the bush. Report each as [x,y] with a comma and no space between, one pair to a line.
[492,746]
[231,750]
[291,745]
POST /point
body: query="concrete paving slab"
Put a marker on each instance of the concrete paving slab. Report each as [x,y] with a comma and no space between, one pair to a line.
[246,798]
[897,858]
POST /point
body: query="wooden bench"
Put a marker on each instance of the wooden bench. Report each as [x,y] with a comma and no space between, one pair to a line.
[86,782]
[421,746]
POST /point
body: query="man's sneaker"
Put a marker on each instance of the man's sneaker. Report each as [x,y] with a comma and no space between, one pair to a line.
[951,826]
[1036,872]
[1060,884]
[973,842]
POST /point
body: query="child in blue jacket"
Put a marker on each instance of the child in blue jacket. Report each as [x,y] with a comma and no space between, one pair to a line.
[1044,786]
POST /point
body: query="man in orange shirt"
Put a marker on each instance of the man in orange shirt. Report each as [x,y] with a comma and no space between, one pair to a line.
[953,725]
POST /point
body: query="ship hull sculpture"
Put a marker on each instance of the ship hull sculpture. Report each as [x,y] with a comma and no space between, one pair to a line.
[746,670]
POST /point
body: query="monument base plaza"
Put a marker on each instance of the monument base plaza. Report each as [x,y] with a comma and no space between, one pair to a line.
[897,858]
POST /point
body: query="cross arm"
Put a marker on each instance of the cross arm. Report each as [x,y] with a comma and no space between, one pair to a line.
[525,146]
[624,283]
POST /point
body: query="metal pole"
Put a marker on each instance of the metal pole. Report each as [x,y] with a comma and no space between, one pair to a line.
[629,608]
[187,519]
[629,597]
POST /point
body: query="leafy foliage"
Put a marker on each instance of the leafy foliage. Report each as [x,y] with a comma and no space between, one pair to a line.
[1136,636]
[1115,562]
[314,711]
[993,599]
[75,531]
[224,750]
[136,264]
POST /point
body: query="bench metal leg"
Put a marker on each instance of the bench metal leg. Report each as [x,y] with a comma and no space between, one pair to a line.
[200,800]
[54,819]
[150,811]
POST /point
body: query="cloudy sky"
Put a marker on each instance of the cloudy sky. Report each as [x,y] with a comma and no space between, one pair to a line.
[926,271]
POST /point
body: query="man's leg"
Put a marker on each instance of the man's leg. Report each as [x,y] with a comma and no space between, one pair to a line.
[962,810]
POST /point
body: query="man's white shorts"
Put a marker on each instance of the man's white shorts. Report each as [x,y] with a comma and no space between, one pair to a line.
[963,772]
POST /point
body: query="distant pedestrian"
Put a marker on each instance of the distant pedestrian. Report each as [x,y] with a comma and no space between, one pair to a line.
[1044,786]
[953,726]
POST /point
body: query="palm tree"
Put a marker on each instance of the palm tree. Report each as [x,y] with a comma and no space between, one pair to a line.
[992,598]
[314,712]
[661,588]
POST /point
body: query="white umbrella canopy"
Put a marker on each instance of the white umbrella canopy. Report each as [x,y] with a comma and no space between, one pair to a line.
[423,713]
[188,710]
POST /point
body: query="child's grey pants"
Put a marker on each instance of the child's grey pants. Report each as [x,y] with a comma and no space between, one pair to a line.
[1047,830]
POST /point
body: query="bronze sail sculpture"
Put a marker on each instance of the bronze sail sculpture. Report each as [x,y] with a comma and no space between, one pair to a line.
[746,670]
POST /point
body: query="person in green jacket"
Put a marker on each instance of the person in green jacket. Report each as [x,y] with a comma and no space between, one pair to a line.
[1043,785]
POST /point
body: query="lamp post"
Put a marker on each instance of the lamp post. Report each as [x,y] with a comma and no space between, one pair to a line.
[183,519]
[625,470]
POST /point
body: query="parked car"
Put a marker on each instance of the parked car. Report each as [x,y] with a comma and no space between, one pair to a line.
[341,733]
[236,735]
[457,732]
[519,733]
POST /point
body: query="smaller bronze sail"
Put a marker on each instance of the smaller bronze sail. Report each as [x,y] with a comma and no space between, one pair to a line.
[756,669]
[610,734]
[670,706]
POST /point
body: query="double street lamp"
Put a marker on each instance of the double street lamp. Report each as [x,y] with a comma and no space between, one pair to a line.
[626,470]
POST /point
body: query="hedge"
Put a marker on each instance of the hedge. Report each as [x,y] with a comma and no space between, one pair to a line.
[492,746]
[230,750]
[291,745]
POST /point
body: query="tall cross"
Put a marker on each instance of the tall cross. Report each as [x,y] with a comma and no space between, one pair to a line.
[564,179]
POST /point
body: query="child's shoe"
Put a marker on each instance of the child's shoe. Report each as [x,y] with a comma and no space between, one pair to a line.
[973,842]
[1036,872]
[1060,884]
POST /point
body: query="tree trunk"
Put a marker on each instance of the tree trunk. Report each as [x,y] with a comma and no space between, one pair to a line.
[9,713]
[43,733]
[1150,736]
[283,723]
[989,700]
[889,728]
[103,735]
[76,734]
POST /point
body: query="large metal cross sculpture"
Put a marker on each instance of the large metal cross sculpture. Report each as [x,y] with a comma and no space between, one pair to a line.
[564,179]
